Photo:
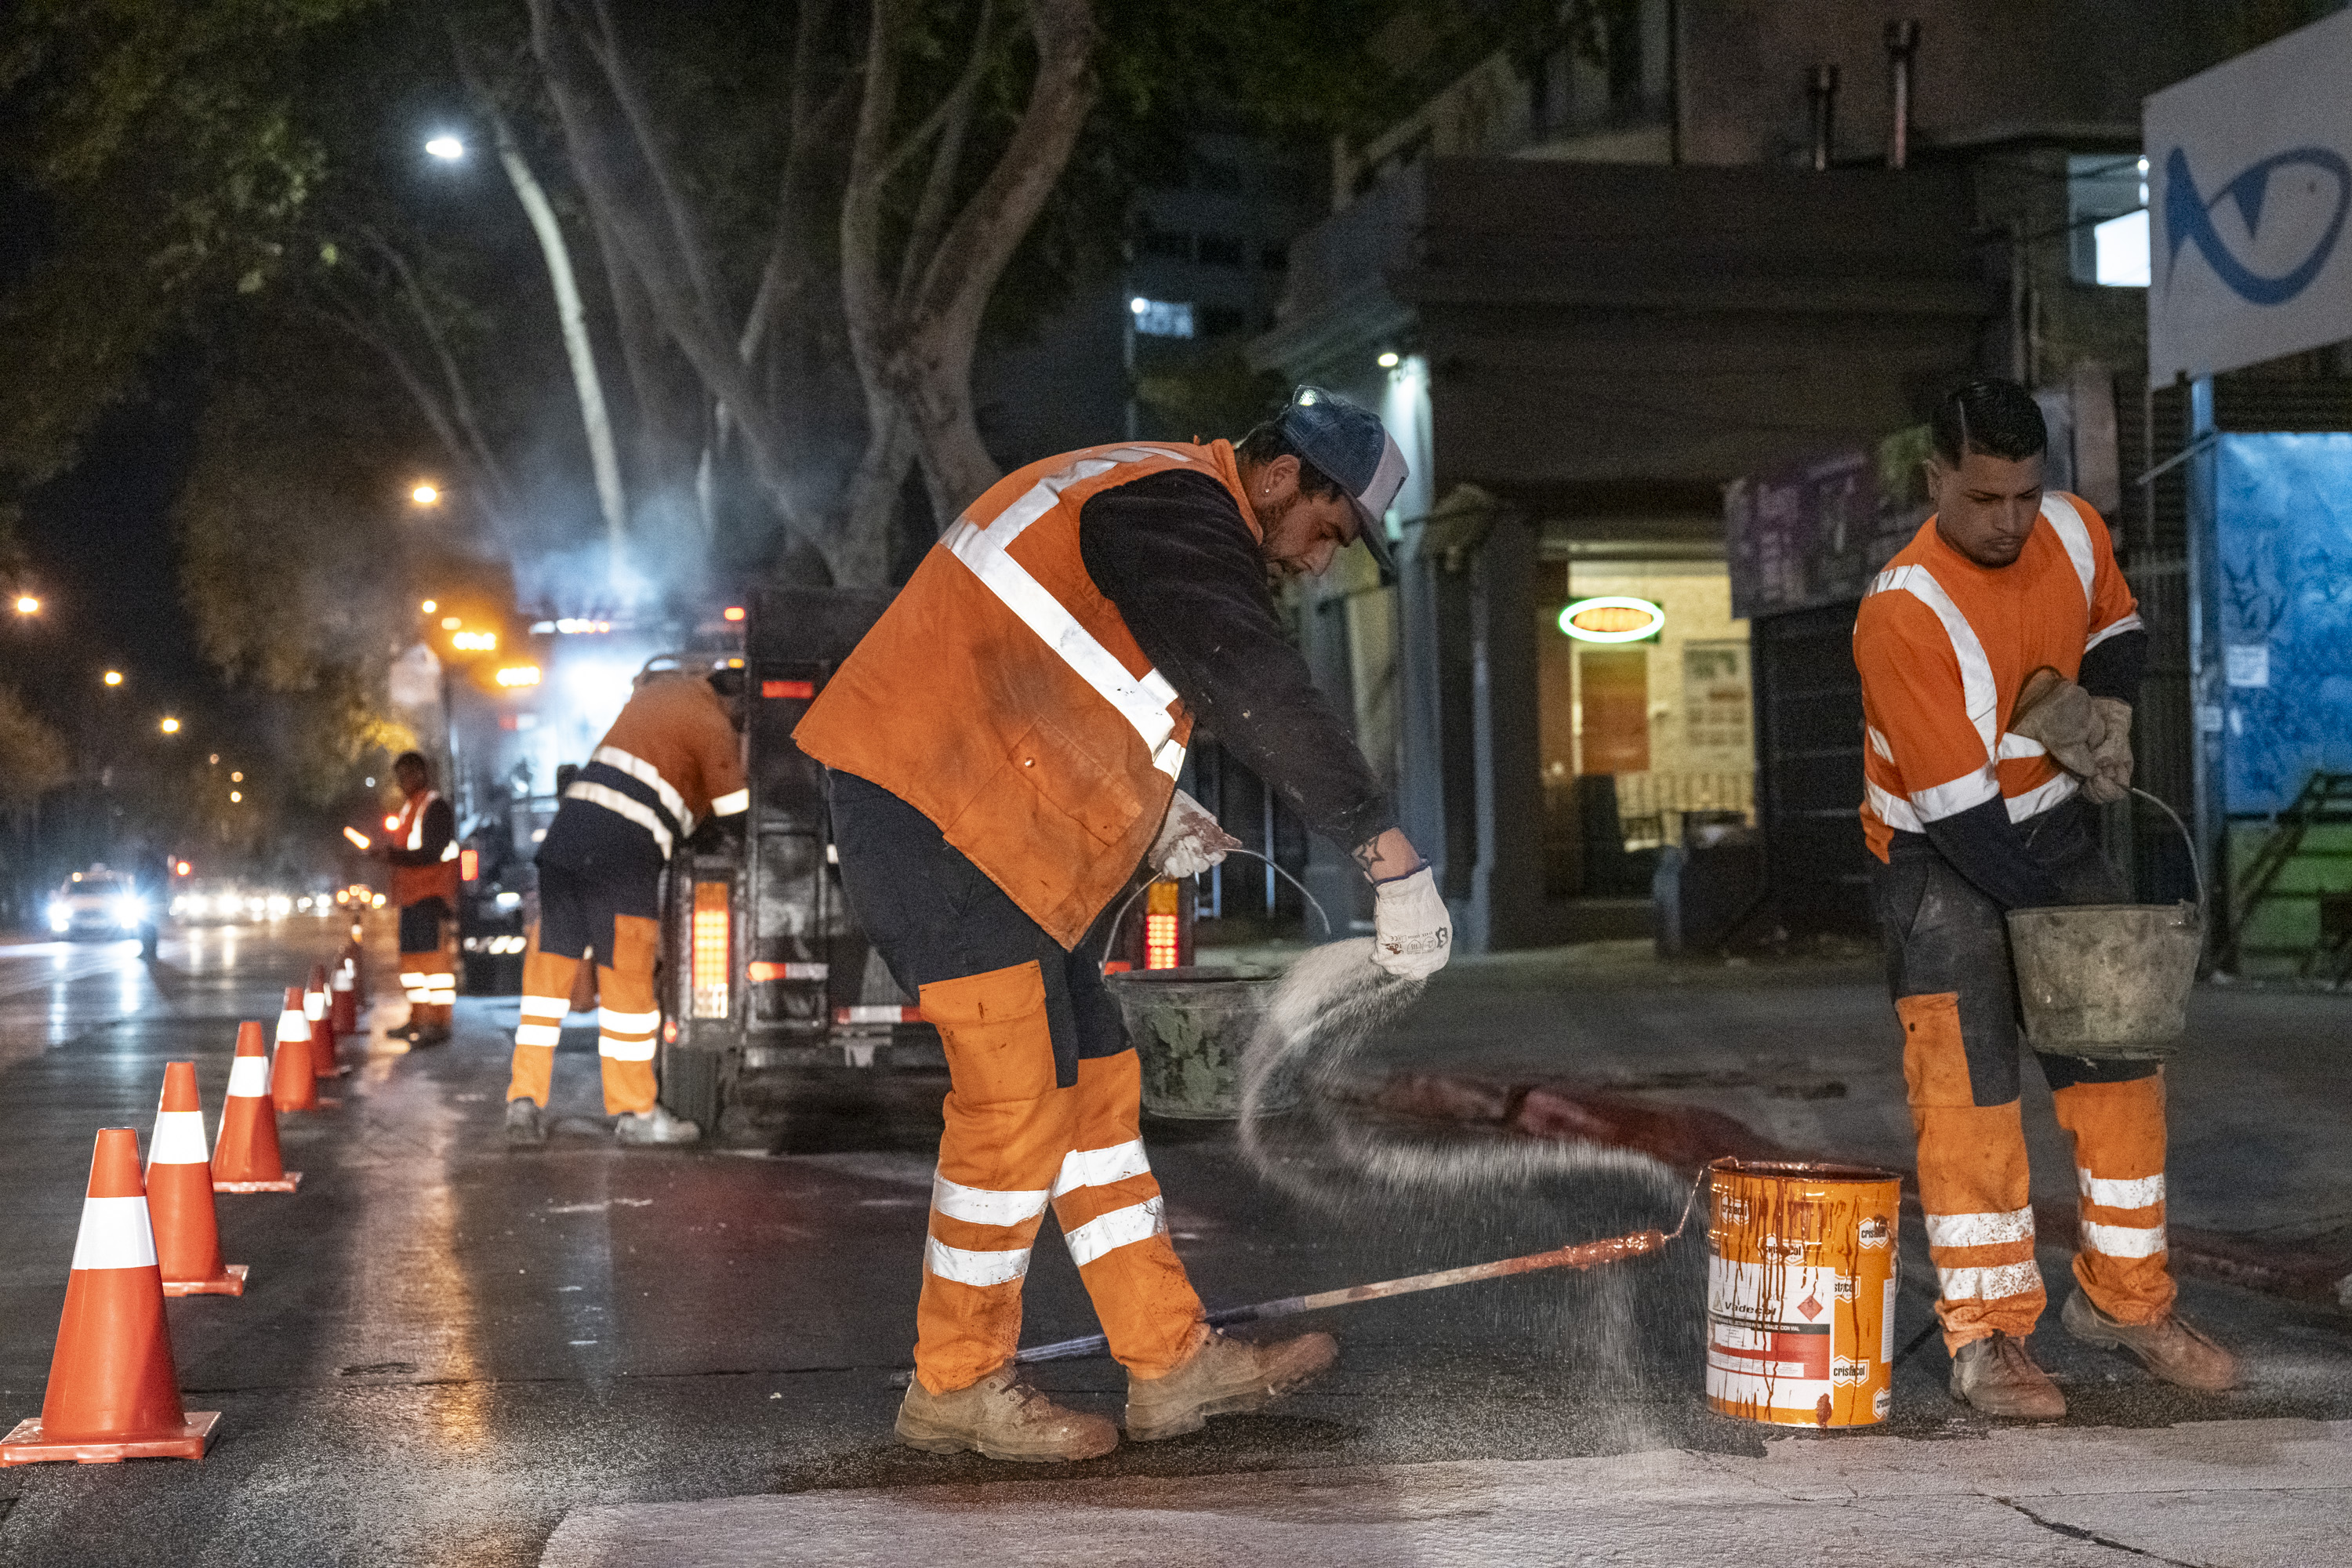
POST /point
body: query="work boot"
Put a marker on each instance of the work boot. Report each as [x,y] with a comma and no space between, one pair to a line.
[1222,1376]
[1003,1418]
[660,1125]
[405,1032]
[2169,1347]
[526,1123]
[1996,1375]
[429,1035]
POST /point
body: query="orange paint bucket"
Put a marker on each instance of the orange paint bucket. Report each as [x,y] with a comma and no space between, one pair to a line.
[1800,1292]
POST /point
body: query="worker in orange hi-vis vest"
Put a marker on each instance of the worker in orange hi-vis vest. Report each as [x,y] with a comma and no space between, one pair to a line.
[1003,748]
[1999,653]
[421,844]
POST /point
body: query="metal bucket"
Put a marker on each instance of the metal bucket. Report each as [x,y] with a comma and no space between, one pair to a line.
[2109,980]
[1800,1279]
[2106,980]
[1189,1027]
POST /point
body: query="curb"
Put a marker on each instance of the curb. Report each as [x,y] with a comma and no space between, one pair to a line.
[1688,1136]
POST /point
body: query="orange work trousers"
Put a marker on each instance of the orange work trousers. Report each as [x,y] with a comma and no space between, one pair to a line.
[1015,1142]
[628,1017]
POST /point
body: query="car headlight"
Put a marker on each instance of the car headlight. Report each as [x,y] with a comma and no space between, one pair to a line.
[130,911]
[59,918]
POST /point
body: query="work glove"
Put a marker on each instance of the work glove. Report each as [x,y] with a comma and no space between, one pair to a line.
[2060,714]
[1190,840]
[1411,932]
[2113,755]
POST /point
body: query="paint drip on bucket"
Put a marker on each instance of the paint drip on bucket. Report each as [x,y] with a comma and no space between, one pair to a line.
[1801,1280]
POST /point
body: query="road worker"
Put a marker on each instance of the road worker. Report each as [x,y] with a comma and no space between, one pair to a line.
[673,758]
[421,844]
[2001,651]
[1002,751]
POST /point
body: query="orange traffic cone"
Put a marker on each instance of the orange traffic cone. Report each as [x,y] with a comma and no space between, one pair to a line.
[180,1195]
[246,1157]
[324,1060]
[113,1392]
[343,997]
[293,1082]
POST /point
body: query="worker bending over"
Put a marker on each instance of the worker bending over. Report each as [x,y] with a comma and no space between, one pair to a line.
[671,759]
[1999,653]
[422,848]
[1003,748]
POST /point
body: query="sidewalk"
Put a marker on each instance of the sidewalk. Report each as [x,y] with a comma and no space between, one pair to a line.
[1801,1059]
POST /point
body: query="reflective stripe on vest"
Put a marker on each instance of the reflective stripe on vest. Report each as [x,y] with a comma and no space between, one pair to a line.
[1143,700]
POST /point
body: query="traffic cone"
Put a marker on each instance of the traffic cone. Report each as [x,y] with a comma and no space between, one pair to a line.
[113,1393]
[244,1156]
[342,996]
[180,1195]
[325,1060]
[293,1083]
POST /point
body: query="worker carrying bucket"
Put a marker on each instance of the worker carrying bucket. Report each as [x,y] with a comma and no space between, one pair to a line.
[1002,749]
[1999,653]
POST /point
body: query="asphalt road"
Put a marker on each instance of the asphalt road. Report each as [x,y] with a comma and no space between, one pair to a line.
[453,1352]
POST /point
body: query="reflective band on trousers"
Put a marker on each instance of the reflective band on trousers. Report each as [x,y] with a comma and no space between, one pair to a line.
[977,1268]
[248,1077]
[1979,1229]
[1118,1228]
[625,1050]
[1100,1167]
[2123,1240]
[1988,1284]
[618,1023]
[978,1206]
[548,1035]
[179,1138]
[2138,1193]
[1143,700]
[115,1234]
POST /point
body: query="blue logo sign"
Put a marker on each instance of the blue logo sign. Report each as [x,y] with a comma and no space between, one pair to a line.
[2189,218]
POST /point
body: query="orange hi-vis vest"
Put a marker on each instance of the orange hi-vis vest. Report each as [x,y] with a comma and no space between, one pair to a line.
[1002,696]
[1944,644]
[415,884]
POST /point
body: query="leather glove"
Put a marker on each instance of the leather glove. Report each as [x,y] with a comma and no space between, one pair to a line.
[2060,714]
[1411,932]
[2113,755]
[1190,840]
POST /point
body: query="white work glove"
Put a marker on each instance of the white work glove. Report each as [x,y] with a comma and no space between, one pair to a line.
[1190,840]
[2113,755]
[1411,932]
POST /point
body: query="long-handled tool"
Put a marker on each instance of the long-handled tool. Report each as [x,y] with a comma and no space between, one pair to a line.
[1584,1255]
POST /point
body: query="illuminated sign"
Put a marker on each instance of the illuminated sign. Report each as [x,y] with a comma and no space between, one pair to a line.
[1612,619]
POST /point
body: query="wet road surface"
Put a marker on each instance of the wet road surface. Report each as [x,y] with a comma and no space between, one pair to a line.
[448,1349]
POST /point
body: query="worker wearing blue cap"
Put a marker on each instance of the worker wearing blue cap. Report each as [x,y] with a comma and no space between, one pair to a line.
[1002,751]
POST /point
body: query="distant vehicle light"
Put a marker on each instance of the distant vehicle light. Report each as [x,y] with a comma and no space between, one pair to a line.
[509,901]
[129,912]
[451,623]
[392,825]
[1611,618]
[519,675]
[474,642]
[733,612]
[376,902]
[277,906]
[182,869]
[59,918]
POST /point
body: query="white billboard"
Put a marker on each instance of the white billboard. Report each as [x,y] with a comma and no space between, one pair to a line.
[2249,180]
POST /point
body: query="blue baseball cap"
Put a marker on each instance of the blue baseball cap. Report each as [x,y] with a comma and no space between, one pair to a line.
[1354,449]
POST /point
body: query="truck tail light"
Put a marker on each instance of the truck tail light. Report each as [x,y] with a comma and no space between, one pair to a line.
[1159,927]
[707,992]
[469,865]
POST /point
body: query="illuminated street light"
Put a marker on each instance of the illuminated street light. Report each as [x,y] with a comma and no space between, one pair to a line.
[519,675]
[170,726]
[1388,360]
[237,778]
[426,495]
[429,605]
[446,148]
[27,606]
[236,797]
[113,678]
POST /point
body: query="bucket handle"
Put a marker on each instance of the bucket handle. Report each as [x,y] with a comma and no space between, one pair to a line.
[2195,869]
[1111,936]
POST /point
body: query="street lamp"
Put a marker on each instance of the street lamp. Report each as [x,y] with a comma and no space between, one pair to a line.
[445,147]
[429,605]
[27,606]
[426,495]
[113,678]
[170,726]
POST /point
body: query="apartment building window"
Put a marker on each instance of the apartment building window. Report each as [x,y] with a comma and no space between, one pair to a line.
[2107,219]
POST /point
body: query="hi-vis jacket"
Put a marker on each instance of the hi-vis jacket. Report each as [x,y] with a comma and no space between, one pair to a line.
[1944,644]
[670,759]
[424,847]
[1003,697]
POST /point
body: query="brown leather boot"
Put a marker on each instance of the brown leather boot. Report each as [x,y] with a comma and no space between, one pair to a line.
[1222,1376]
[2169,1347]
[1996,1375]
[1003,1418]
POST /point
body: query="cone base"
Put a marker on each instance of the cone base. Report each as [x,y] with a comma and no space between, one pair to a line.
[231,1282]
[285,1183]
[318,1102]
[27,1445]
